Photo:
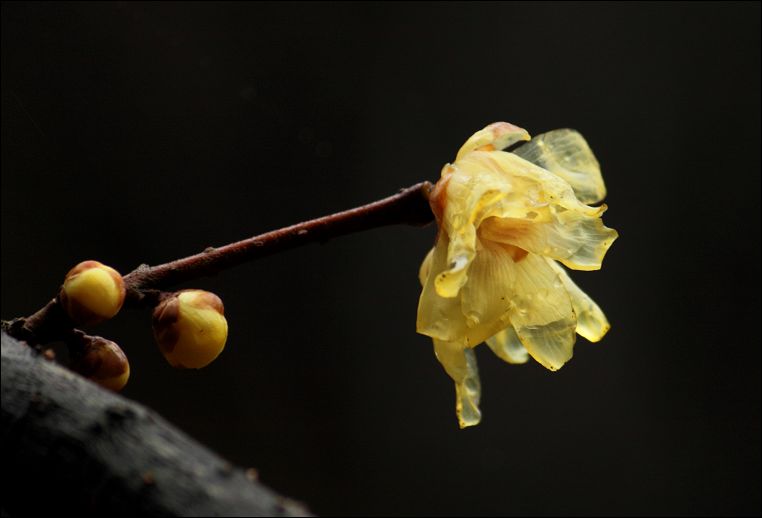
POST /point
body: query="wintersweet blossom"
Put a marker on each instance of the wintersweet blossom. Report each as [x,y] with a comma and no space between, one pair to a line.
[506,220]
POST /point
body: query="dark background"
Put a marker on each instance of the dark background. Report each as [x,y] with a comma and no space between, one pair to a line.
[144,132]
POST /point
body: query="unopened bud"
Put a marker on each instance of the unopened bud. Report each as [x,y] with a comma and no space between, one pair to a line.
[103,362]
[91,293]
[190,328]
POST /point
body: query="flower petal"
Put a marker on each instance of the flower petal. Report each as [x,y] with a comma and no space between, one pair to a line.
[460,365]
[496,136]
[439,317]
[470,192]
[554,190]
[591,322]
[423,272]
[461,250]
[576,239]
[507,346]
[486,184]
[566,153]
[486,298]
[542,315]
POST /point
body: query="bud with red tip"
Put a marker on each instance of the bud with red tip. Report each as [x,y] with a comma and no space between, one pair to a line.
[91,293]
[103,362]
[190,328]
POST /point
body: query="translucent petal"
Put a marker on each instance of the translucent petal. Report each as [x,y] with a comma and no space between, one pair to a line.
[579,241]
[557,190]
[490,175]
[461,250]
[423,272]
[474,189]
[542,316]
[507,346]
[591,322]
[470,192]
[486,184]
[439,317]
[486,298]
[566,153]
[468,393]
[460,365]
[496,136]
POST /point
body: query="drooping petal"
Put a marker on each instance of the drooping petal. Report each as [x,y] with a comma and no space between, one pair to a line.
[566,153]
[486,184]
[580,241]
[439,317]
[496,136]
[423,271]
[461,250]
[542,315]
[591,322]
[553,190]
[460,365]
[499,184]
[463,196]
[469,393]
[507,346]
[470,191]
[486,298]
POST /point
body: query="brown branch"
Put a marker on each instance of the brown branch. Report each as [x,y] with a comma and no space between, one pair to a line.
[410,206]
[126,459]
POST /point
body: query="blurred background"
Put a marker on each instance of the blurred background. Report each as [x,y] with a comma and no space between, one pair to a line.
[136,132]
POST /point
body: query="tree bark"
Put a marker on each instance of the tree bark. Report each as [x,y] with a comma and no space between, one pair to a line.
[69,446]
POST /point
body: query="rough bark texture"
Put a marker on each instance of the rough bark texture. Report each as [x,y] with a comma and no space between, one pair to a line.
[69,446]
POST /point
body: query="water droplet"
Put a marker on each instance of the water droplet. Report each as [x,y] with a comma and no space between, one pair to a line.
[472,320]
[459,263]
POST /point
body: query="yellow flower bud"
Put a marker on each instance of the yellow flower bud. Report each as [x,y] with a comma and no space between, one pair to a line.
[91,293]
[190,328]
[103,362]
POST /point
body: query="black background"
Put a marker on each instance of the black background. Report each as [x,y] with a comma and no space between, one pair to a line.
[144,132]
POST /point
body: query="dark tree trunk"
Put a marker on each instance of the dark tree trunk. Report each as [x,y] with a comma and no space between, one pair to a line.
[69,446]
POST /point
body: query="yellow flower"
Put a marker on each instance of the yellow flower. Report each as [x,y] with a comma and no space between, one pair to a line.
[505,222]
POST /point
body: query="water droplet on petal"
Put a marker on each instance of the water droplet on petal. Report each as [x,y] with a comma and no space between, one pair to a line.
[472,320]
[459,263]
